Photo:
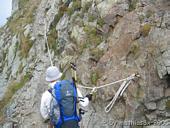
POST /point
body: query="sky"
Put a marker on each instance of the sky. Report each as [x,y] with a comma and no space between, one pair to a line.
[5,10]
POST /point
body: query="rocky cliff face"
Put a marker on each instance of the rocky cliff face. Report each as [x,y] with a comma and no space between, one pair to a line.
[108,40]
[15,5]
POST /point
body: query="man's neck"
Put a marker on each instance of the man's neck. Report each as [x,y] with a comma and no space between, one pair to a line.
[53,81]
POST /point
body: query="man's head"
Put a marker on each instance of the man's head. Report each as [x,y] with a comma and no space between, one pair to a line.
[53,74]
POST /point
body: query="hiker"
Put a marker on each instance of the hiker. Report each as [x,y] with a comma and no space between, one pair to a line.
[58,104]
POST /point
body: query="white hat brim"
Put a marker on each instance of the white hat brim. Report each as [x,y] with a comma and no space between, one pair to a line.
[54,78]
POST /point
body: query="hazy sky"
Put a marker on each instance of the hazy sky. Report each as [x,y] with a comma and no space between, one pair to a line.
[5,10]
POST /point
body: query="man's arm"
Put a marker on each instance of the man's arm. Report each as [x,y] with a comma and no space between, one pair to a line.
[45,105]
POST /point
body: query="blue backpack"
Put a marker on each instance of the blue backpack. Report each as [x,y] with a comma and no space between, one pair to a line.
[65,95]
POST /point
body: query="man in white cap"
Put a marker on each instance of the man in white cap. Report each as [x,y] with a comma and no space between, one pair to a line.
[53,76]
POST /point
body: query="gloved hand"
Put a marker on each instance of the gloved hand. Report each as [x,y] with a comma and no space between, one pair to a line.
[89,96]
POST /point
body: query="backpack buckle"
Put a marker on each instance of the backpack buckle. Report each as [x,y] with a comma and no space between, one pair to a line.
[82,111]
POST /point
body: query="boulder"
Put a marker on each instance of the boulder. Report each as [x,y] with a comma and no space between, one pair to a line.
[151,105]
[105,6]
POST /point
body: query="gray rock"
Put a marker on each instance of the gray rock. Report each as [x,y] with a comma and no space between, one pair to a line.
[52,11]
[152,116]
[32,38]
[164,123]
[39,67]
[162,71]
[78,33]
[2,85]
[15,5]
[154,126]
[11,109]
[166,53]
[1,42]
[85,78]
[16,65]
[166,22]
[105,28]
[12,51]
[62,29]
[168,69]
[70,49]
[167,92]
[166,62]
[5,72]
[63,39]
[151,105]
[8,125]
[103,46]
[63,23]
[161,38]
[155,93]
[27,30]
[0,67]
[168,114]
[161,105]
[105,6]
[1,57]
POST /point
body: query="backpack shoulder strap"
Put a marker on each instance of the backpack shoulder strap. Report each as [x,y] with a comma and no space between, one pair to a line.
[57,89]
[52,90]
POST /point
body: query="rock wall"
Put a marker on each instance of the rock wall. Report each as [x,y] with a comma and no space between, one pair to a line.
[15,5]
[108,40]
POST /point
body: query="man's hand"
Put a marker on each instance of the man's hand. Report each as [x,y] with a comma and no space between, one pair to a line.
[47,121]
[89,96]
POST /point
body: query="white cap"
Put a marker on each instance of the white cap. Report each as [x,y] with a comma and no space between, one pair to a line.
[52,74]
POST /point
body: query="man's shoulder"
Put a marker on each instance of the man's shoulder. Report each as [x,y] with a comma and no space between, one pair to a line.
[46,94]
